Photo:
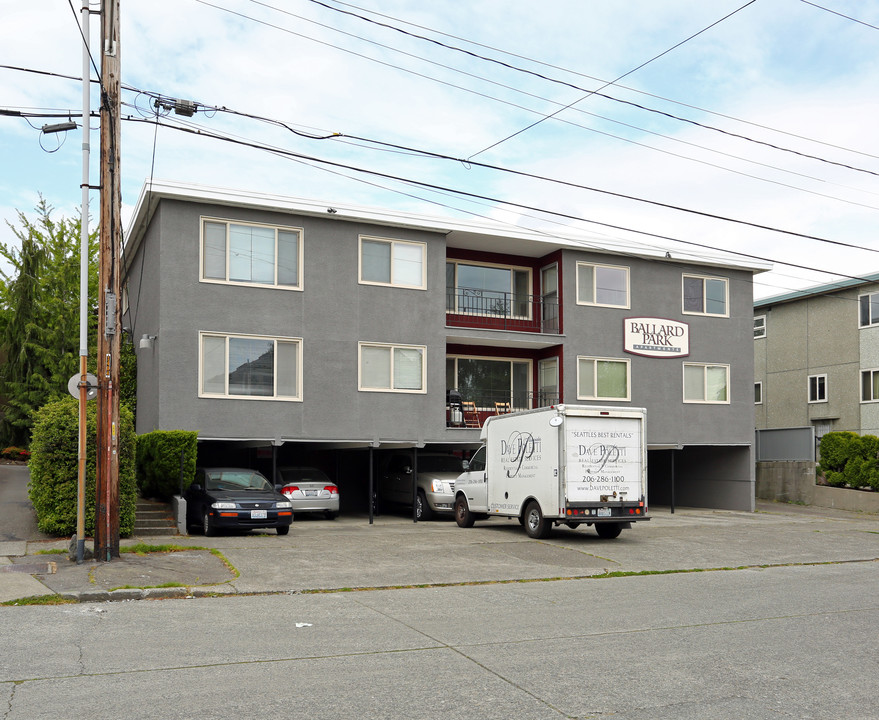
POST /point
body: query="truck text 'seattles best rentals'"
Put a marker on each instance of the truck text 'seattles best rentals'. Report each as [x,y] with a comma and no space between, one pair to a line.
[568,464]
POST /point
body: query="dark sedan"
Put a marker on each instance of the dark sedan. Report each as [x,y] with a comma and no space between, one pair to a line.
[235,499]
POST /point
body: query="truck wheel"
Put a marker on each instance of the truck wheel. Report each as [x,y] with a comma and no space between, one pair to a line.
[463,516]
[536,525]
[608,531]
[422,509]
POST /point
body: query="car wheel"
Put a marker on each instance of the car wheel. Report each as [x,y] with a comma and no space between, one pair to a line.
[463,516]
[422,509]
[283,529]
[608,531]
[206,525]
[536,525]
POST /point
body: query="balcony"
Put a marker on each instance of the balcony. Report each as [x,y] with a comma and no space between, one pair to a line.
[493,403]
[496,310]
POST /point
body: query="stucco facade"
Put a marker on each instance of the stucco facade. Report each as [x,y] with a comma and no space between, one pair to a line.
[810,355]
[546,343]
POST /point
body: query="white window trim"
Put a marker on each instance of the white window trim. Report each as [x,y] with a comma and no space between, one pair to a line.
[392,347]
[474,263]
[809,389]
[226,395]
[761,327]
[274,286]
[703,278]
[861,389]
[758,384]
[704,366]
[592,302]
[581,396]
[392,242]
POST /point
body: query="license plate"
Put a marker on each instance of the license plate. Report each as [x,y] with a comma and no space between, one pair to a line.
[258,515]
[603,512]
[311,493]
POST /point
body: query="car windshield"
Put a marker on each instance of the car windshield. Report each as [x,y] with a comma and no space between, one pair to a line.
[303,474]
[439,463]
[236,480]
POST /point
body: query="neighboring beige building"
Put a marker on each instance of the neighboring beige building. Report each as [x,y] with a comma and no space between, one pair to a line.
[816,358]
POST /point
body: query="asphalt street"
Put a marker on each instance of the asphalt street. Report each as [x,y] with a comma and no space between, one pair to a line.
[696,614]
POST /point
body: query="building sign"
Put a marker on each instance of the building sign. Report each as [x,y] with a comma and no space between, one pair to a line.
[656,337]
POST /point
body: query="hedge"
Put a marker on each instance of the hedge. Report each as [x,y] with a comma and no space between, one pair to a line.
[158,462]
[849,459]
[54,467]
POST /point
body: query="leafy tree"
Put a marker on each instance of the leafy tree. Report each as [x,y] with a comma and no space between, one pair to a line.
[39,316]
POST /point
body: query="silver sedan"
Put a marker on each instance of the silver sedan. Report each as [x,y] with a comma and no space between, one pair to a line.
[310,491]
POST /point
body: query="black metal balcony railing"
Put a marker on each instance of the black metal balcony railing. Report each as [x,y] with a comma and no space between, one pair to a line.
[493,403]
[472,307]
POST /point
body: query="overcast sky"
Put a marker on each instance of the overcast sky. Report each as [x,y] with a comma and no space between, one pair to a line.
[780,95]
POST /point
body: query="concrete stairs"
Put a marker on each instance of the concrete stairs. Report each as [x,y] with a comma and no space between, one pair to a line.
[154,518]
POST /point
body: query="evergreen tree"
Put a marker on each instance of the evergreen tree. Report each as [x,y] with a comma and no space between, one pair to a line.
[39,317]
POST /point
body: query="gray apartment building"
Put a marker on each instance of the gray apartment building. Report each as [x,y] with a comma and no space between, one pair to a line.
[816,358]
[293,331]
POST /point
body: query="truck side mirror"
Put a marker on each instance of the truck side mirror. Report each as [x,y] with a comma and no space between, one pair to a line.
[465,465]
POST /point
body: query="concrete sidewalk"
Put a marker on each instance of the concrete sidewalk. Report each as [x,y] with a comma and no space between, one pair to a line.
[349,553]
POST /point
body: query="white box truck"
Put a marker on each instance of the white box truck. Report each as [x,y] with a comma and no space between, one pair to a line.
[570,464]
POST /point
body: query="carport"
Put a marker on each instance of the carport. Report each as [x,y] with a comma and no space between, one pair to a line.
[350,464]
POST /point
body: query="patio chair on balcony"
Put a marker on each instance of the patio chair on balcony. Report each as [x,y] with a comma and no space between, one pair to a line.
[502,408]
[471,417]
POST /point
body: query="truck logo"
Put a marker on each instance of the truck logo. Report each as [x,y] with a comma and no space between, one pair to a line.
[601,454]
[520,447]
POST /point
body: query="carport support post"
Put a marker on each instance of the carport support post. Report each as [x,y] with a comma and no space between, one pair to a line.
[415,484]
[672,482]
[371,488]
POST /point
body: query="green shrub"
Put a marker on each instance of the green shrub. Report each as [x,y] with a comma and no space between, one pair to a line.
[835,451]
[54,467]
[850,459]
[159,459]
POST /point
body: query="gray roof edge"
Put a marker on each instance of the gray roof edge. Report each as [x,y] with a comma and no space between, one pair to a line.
[815,290]
[154,190]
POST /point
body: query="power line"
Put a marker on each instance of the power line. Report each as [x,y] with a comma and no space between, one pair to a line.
[433,186]
[847,17]
[588,92]
[588,77]
[633,70]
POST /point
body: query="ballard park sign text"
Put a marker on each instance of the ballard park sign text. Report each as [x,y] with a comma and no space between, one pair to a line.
[656,337]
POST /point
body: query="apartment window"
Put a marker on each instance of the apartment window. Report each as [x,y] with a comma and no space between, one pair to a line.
[869,310]
[392,368]
[758,393]
[399,263]
[492,290]
[604,285]
[250,366]
[705,295]
[486,381]
[869,385]
[248,254]
[759,326]
[602,379]
[817,388]
[706,383]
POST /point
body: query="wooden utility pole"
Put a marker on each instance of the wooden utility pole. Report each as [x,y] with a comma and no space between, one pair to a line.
[109,327]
